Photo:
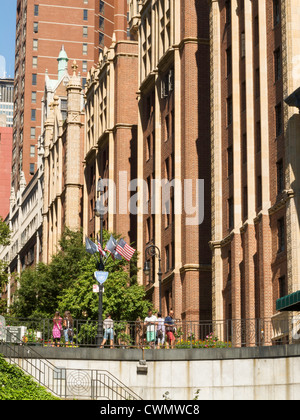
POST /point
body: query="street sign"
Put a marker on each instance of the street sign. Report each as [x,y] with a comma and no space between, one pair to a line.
[96,288]
[101,276]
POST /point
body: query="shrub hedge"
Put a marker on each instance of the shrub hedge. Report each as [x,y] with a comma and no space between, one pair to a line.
[16,385]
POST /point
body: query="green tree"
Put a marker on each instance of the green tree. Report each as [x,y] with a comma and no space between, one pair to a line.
[66,284]
[40,286]
[4,241]
[123,298]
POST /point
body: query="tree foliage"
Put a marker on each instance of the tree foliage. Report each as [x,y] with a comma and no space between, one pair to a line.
[67,284]
[4,241]
[15,385]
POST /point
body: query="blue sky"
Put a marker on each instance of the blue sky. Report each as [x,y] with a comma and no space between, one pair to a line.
[7,33]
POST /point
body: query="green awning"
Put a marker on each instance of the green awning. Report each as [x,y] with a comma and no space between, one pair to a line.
[289,302]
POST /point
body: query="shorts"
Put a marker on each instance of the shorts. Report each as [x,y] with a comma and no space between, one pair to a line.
[160,340]
[170,336]
[151,336]
[67,337]
[109,332]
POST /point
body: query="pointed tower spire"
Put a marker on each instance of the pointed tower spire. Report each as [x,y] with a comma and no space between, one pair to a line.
[62,62]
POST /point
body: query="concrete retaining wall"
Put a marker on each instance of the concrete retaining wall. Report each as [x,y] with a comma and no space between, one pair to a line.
[271,373]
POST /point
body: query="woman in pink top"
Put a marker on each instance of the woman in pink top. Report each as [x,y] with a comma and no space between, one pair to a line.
[57,328]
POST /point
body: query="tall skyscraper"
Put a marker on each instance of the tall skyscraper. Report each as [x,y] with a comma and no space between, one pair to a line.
[6,101]
[84,27]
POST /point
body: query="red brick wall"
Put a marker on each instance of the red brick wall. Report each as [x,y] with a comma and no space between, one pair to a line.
[5,164]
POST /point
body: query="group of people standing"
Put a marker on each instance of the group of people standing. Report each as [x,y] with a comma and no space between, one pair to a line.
[160,331]
[62,327]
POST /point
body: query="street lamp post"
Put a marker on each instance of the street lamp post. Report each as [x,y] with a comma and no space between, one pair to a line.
[99,212]
[153,251]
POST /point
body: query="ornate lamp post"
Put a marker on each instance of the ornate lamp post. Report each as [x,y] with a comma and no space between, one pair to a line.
[99,212]
[153,251]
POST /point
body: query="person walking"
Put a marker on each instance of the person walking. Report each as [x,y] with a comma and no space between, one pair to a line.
[57,328]
[160,332]
[68,327]
[170,329]
[108,325]
[150,323]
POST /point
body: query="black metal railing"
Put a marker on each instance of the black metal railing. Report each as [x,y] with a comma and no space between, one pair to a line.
[65,383]
[187,334]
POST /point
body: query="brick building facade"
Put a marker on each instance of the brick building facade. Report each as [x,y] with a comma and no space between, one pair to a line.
[254,205]
[62,143]
[111,137]
[5,164]
[147,118]
[85,27]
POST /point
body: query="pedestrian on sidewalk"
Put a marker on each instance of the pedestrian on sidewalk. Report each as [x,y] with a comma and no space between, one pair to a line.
[57,329]
[108,325]
[170,329]
[68,327]
[150,323]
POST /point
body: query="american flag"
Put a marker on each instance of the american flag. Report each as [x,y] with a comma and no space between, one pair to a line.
[100,248]
[124,249]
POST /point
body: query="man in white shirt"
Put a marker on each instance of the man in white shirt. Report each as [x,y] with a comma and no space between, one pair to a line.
[151,322]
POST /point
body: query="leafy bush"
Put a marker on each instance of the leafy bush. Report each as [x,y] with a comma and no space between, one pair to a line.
[210,342]
[15,385]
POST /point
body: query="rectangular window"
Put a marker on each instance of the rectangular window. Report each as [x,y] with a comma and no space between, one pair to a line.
[229,110]
[256,31]
[278,117]
[230,160]
[244,148]
[101,39]
[277,64]
[276,12]
[35,44]
[85,14]
[84,49]
[34,79]
[35,27]
[230,213]
[280,176]
[36,10]
[228,11]
[167,251]
[33,97]
[259,192]
[101,23]
[33,115]
[243,45]
[31,168]
[32,151]
[282,286]
[281,235]
[84,66]
[243,96]
[34,61]
[258,137]
[245,202]
[257,83]
[101,7]
[229,61]
[32,132]
[85,32]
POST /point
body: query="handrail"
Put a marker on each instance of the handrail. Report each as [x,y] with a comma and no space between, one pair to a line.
[63,383]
